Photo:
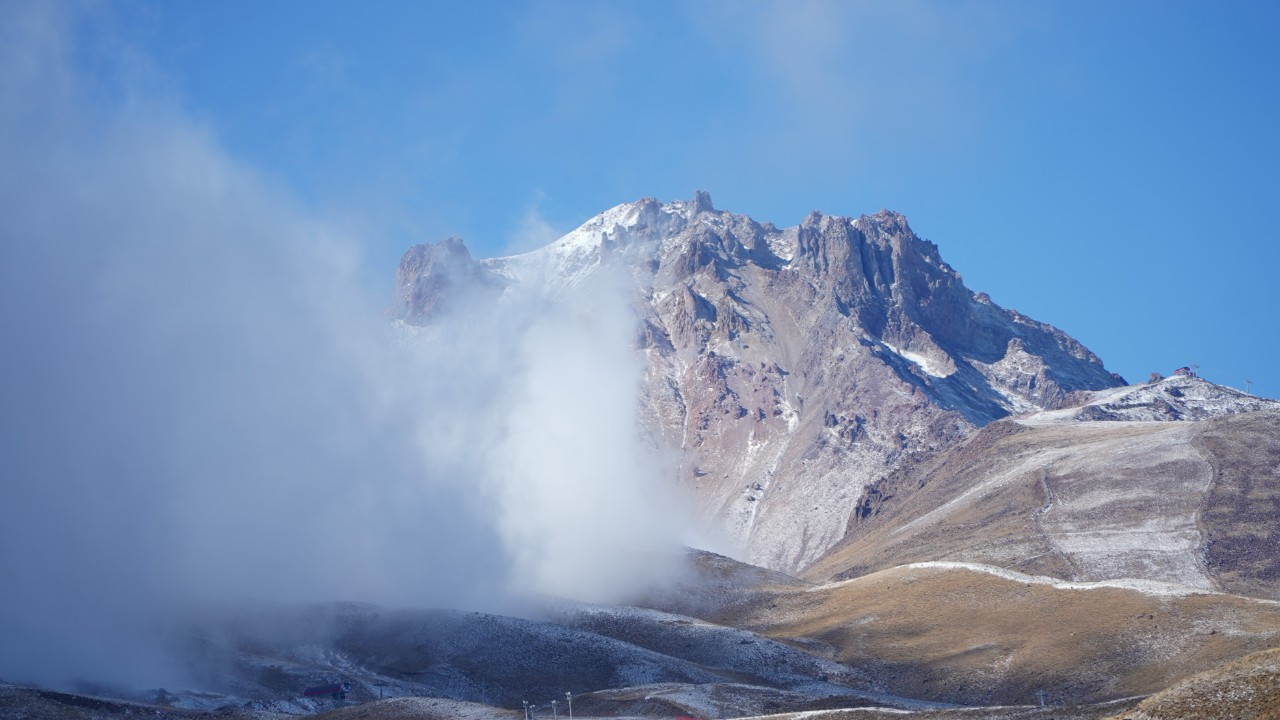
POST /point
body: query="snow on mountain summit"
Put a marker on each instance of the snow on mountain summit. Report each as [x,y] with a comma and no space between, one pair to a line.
[792,367]
[566,262]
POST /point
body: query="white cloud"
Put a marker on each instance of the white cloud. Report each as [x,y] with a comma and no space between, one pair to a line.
[581,499]
[203,405]
[847,79]
[532,232]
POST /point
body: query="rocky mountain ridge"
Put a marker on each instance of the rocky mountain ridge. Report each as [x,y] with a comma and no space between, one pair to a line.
[790,367]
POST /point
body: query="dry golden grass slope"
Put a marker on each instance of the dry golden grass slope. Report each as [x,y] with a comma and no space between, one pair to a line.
[974,637]
[1247,689]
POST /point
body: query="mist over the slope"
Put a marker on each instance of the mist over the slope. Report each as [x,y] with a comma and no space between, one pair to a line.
[204,406]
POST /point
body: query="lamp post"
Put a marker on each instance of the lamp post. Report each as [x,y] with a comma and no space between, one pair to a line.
[569,696]
[526,708]
[554,714]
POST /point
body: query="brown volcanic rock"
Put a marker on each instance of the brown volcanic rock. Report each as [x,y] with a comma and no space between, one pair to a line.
[431,277]
[792,368]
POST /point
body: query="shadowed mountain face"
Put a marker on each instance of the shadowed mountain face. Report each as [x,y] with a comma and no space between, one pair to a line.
[791,368]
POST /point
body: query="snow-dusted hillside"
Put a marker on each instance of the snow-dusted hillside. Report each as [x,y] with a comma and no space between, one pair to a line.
[1178,397]
[263,659]
[1125,487]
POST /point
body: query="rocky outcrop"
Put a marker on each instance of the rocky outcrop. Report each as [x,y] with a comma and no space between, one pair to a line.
[792,368]
[433,278]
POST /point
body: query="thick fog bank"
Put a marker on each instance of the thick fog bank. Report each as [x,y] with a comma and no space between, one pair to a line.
[203,404]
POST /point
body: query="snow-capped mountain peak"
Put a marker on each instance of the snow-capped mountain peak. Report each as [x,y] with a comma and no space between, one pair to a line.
[793,367]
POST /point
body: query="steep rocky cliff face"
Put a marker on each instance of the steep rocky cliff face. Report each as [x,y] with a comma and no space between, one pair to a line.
[433,278]
[791,367]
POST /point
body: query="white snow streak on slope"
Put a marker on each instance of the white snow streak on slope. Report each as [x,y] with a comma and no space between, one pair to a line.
[1146,587]
[919,360]
[783,244]
[569,261]
[841,713]
[1014,403]
[573,257]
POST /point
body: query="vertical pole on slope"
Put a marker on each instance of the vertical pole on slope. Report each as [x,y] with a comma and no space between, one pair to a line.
[1041,694]
[554,714]
[1248,386]
[569,696]
[525,703]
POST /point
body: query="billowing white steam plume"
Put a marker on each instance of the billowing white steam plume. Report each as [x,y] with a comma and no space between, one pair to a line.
[202,405]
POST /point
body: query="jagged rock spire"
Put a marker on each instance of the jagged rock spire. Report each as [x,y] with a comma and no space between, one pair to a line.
[702,201]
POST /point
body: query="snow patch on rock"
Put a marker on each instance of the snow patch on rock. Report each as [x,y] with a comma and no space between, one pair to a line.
[924,363]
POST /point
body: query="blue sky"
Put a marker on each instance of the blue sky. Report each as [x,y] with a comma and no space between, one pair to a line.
[1108,167]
